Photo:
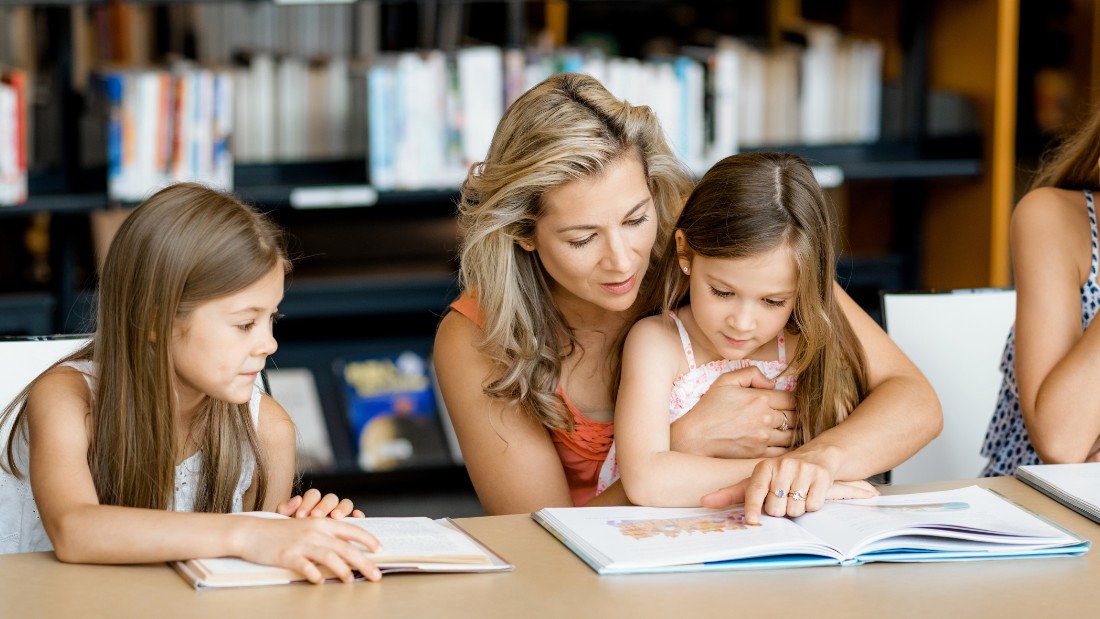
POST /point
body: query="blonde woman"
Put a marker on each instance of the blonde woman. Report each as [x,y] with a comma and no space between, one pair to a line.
[563,221]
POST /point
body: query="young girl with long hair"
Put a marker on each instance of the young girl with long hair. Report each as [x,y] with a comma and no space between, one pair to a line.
[136,448]
[748,280]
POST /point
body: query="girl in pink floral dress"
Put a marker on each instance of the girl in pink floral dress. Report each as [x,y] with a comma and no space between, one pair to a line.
[754,246]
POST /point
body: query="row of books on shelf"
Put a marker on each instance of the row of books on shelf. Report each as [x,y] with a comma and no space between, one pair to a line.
[391,410]
[425,117]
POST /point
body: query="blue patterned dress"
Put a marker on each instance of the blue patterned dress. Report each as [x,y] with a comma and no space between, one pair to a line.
[1006,441]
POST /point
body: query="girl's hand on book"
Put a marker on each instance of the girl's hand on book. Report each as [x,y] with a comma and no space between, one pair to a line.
[786,486]
[306,545]
[740,416]
[313,505]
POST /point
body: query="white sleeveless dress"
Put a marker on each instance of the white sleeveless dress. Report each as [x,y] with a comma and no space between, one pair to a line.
[21,527]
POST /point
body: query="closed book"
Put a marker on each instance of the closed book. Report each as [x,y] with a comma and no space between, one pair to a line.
[1077,486]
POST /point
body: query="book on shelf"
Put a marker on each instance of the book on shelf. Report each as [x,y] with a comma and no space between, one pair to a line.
[1077,486]
[412,544]
[391,409]
[965,524]
[296,390]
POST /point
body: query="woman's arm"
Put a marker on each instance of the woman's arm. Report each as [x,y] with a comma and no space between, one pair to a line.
[510,457]
[1056,362]
[652,472]
[84,531]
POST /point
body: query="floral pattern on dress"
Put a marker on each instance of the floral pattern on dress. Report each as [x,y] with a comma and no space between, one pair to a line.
[690,386]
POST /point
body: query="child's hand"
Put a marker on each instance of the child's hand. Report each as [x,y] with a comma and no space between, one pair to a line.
[313,505]
[306,545]
[787,486]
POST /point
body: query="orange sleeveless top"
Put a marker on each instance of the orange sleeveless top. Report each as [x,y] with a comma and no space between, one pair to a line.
[581,451]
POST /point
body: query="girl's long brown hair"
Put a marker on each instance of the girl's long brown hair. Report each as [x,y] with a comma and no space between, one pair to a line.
[1072,163]
[184,246]
[747,205]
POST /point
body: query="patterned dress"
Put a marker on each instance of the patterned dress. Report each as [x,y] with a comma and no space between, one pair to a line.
[690,386]
[1007,444]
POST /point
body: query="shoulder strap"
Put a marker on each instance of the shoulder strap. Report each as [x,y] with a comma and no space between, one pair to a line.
[1093,231]
[685,341]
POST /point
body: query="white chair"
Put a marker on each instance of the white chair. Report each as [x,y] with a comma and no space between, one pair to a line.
[24,358]
[956,338]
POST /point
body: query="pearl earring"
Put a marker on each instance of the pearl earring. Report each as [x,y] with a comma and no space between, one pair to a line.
[686,272]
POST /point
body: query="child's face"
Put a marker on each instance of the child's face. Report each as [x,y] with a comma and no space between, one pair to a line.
[223,344]
[596,236]
[742,304]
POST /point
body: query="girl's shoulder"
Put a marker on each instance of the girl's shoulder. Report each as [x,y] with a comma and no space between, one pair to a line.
[61,391]
[1048,207]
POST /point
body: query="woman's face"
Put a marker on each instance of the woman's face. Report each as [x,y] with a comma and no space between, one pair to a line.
[596,236]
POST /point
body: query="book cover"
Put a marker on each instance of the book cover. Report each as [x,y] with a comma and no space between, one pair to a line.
[391,409]
[966,524]
[296,390]
[411,544]
[1077,486]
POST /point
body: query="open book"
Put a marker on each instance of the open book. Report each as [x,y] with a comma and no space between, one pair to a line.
[408,545]
[970,523]
[1077,486]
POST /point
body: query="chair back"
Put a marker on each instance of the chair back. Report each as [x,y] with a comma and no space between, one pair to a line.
[24,358]
[956,338]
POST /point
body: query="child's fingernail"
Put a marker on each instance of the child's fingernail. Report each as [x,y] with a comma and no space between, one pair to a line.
[376,574]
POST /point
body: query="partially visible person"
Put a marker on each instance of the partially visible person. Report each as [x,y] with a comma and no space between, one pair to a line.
[1052,357]
[562,224]
[754,249]
[136,448]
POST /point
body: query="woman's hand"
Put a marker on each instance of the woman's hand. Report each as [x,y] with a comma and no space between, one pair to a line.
[306,545]
[741,416]
[787,486]
[313,505]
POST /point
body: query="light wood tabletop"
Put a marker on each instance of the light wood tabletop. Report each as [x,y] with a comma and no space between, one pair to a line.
[550,581]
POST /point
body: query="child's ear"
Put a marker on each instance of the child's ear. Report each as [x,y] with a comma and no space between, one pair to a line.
[683,252]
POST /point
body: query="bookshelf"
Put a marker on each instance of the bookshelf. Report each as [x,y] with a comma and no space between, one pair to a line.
[926,207]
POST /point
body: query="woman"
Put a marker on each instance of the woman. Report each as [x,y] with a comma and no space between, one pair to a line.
[563,220]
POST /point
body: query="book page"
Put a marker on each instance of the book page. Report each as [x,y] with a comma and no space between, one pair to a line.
[419,540]
[967,514]
[641,537]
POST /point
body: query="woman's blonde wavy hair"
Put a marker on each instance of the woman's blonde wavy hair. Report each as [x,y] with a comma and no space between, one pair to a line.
[565,129]
[747,205]
[184,246]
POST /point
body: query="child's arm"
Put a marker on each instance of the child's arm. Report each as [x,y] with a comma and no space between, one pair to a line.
[84,531]
[653,474]
[1056,362]
[278,440]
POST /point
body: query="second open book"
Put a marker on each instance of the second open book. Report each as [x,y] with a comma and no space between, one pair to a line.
[964,524]
[408,545]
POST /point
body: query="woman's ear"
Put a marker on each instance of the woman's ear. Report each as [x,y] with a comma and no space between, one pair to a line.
[683,252]
[526,244]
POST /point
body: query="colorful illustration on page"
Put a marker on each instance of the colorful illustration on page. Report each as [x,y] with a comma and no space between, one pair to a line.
[674,527]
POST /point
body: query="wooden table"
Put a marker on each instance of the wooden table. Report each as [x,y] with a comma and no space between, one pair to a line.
[549,581]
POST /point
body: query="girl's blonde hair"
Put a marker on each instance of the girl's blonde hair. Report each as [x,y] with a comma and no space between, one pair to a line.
[184,246]
[1072,164]
[565,129]
[748,205]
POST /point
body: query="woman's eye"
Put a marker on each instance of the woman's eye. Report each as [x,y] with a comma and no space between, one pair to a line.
[246,326]
[637,221]
[582,242]
[776,302]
